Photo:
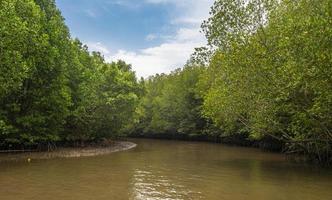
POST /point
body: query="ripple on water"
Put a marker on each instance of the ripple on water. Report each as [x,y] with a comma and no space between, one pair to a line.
[148,185]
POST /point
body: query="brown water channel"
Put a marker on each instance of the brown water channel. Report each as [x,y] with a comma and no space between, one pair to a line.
[166,170]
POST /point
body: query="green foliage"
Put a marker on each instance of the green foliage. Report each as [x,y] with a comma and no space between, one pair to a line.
[272,75]
[171,106]
[32,73]
[51,88]
[267,77]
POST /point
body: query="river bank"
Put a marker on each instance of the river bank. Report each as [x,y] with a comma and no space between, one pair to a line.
[265,143]
[70,152]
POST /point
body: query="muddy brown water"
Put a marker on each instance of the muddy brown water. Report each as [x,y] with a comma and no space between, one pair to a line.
[158,169]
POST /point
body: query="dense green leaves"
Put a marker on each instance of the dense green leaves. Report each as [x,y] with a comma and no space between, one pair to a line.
[269,78]
[275,79]
[51,88]
[171,106]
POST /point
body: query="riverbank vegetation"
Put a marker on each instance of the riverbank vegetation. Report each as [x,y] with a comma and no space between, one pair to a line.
[264,79]
[268,80]
[51,88]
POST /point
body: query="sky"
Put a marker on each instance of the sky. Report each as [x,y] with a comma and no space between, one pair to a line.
[155,36]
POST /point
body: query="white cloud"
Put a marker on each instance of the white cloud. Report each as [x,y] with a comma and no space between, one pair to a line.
[186,20]
[97,46]
[177,48]
[150,37]
[190,12]
[125,3]
[90,13]
[165,57]
[189,34]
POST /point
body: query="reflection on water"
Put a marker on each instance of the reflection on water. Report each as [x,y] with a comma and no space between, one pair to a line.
[166,170]
[149,185]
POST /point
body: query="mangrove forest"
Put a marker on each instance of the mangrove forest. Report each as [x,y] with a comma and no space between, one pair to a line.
[264,79]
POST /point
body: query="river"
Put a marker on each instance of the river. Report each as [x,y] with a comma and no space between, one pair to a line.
[158,169]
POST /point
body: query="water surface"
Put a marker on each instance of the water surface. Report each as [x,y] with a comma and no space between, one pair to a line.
[166,170]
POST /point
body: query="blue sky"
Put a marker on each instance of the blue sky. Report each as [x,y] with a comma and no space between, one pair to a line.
[155,36]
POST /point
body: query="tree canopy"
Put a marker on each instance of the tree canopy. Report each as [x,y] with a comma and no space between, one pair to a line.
[265,76]
[51,87]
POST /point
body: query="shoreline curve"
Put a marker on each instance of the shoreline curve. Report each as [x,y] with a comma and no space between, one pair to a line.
[70,152]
